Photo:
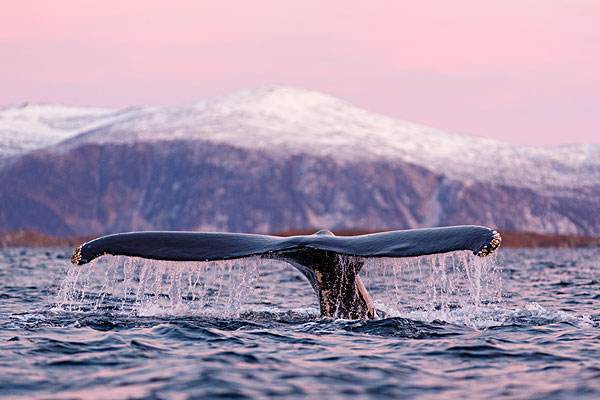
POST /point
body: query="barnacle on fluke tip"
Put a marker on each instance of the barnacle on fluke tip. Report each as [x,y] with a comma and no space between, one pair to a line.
[491,246]
[76,256]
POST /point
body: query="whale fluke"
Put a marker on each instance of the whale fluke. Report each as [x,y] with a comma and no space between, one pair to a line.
[330,263]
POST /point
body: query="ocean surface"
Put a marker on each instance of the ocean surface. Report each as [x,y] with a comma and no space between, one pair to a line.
[522,325]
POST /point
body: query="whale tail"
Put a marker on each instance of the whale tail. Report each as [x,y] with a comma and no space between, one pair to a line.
[330,263]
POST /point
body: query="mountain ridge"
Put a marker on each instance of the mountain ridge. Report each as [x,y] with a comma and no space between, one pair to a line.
[273,117]
[277,158]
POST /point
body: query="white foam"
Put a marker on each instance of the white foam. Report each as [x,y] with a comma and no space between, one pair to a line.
[478,317]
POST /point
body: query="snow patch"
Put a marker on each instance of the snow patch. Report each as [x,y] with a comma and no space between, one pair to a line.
[287,120]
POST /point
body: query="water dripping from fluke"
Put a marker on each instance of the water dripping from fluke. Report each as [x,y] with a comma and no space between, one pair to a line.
[331,264]
[141,287]
[434,284]
[457,287]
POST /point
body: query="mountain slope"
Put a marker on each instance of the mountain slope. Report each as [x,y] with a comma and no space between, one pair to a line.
[32,126]
[277,158]
[299,121]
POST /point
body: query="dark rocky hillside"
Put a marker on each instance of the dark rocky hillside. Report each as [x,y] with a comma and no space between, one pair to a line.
[197,185]
[278,158]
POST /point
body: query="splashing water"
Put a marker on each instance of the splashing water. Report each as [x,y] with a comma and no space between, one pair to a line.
[453,287]
[148,287]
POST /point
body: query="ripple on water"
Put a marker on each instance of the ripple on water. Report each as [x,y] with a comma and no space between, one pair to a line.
[524,327]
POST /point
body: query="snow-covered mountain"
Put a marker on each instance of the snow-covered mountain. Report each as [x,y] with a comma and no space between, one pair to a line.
[276,118]
[32,126]
[277,157]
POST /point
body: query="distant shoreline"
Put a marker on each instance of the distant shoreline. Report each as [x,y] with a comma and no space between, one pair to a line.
[509,239]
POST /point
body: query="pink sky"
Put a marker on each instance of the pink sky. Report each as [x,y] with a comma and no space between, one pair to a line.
[517,70]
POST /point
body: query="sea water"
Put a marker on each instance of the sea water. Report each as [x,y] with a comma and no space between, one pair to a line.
[522,325]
